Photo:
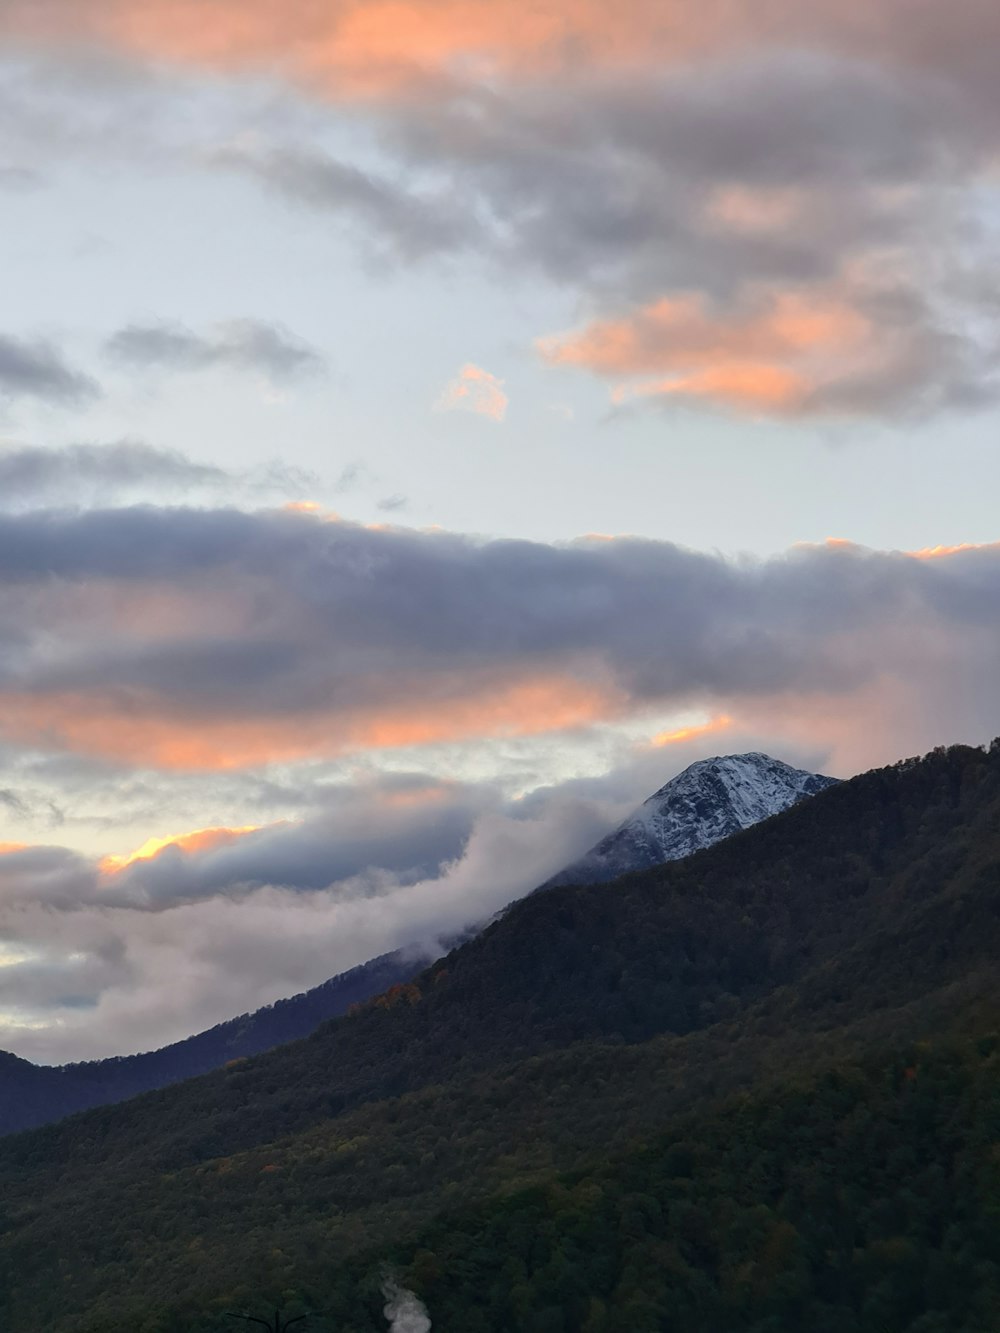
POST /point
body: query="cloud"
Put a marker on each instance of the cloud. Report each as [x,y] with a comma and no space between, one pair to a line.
[737,186]
[638,158]
[97,966]
[81,473]
[82,476]
[20,180]
[199,639]
[474,390]
[769,358]
[48,876]
[160,733]
[241,344]
[413,226]
[394,833]
[784,353]
[35,369]
[697,211]
[373,48]
[98,961]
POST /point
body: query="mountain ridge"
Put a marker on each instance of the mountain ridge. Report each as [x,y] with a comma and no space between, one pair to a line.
[710,800]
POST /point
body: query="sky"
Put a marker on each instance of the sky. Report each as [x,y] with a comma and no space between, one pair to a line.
[428,425]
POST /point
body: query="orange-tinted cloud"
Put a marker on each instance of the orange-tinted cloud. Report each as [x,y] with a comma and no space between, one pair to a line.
[143,735]
[198,840]
[474,390]
[361,47]
[684,734]
[425,794]
[738,208]
[684,332]
[9,848]
[370,47]
[939,552]
[745,386]
[352,639]
[351,47]
[772,358]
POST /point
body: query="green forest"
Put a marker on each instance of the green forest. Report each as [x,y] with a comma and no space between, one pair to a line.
[755,1090]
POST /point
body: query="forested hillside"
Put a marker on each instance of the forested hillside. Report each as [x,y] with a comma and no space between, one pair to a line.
[797,966]
[865,1198]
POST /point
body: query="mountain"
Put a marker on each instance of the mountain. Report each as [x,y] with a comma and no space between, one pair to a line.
[756,1088]
[709,801]
[33,1095]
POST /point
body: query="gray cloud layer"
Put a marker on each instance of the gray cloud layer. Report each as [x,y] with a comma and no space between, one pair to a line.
[20,180]
[81,472]
[81,476]
[243,344]
[36,369]
[332,618]
[363,837]
[413,226]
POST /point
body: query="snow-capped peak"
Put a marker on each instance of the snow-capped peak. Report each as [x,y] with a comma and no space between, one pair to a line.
[706,803]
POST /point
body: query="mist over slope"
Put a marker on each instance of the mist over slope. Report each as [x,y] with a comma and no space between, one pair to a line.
[709,801]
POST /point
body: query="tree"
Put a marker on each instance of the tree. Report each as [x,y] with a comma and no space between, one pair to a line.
[275,1326]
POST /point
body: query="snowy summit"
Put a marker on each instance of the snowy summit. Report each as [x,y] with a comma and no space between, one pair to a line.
[706,803]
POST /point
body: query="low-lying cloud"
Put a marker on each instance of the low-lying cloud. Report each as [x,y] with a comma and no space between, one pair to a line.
[99,961]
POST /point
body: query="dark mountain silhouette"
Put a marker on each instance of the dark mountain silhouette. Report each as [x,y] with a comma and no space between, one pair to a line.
[33,1095]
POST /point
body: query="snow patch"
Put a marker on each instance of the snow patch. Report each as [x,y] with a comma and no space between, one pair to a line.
[709,801]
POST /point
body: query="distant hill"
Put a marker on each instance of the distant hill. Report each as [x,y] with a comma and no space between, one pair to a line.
[33,1095]
[756,1088]
[709,801]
